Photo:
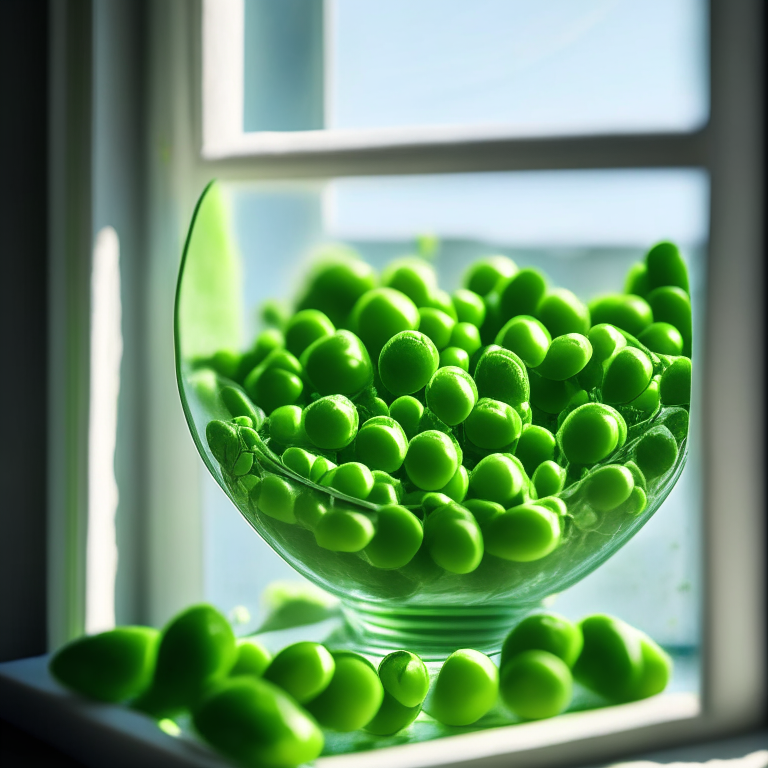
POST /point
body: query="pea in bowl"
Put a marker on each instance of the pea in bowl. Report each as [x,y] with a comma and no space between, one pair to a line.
[441,463]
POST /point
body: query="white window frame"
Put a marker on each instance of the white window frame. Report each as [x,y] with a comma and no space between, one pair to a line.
[185,151]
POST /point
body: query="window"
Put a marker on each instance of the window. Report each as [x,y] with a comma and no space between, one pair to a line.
[661,150]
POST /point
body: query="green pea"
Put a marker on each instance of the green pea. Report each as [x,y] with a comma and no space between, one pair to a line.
[637,280]
[437,325]
[397,539]
[624,310]
[637,475]
[606,341]
[274,387]
[536,445]
[379,407]
[405,680]
[527,338]
[412,276]
[252,658]
[521,293]
[544,632]
[591,433]
[548,479]
[453,539]
[381,444]
[338,364]
[523,534]
[611,661]
[384,477]
[455,357]
[243,464]
[456,488]
[635,504]
[353,478]
[383,493]
[440,299]
[343,529]
[656,452]
[392,717]
[469,307]
[306,327]
[111,666]
[281,359]
[499,477]
[252,486]
[466,688]
[308,508]
[337,282]
[275,497]
[274,313]
[608,487]
[466,336]
[320,468]
[451,395]
[676,421]
[492,425]
[256,724]
[407,412]
[432,460]
[484,275]
[353,696]
[285,425]
[648,400]
[482,510]
[553,504]
[536,684]
[656,669]
[665,266]
[238,404]
[197,648]
[675,385]
[331,422]
[627,374]
[501,375]
[434,500]
[566,356]
[407,362]
[380,314]
[672,305]
[562,312]
[267,341]
[303,670]
[662,338]
[298,460]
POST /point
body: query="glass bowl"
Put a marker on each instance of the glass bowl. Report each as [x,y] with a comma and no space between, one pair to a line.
[420,606]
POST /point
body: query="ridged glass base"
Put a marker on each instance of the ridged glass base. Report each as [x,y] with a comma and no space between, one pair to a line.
[433,632]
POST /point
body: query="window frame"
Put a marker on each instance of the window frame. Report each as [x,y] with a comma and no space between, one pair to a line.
[730,147]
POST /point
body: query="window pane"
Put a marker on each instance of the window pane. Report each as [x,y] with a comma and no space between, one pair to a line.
[556,65]
[549,67]
[584,229]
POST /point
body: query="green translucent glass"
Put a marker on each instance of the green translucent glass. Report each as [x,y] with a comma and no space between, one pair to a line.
[419,605]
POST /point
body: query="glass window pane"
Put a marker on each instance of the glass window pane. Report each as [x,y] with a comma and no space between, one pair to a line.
[600,65]
[548,67]
[584,229]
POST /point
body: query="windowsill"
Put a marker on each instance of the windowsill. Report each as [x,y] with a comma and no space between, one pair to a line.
[100,735]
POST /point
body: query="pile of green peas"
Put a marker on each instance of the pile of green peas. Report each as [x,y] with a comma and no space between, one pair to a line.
[265,710]
[469,424]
